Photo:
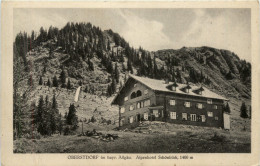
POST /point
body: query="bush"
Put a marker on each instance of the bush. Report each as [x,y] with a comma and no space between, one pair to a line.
[66,130]
[109,122]
[218,138]
[33,135]
[93,119]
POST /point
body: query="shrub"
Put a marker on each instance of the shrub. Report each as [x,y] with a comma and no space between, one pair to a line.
[67,130]
[93,119]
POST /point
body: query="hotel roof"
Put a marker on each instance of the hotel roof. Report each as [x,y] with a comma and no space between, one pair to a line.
[160,85]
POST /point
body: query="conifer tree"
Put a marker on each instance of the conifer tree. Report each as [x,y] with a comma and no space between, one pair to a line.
[116,73]
[121,57]
[109,93]
[68,84]
[110,67]
[48,83]
[129,66]
[243,111]
[155,70]
[86,89]
[66,115]
[108,45]
[113,85]
[123,67]
[55,81]
[72,118]
[80,83]
[39,115]
[46,101]
[40,81]
[63,78]
[178,75]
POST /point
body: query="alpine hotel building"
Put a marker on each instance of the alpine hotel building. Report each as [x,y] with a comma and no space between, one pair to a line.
[143,99]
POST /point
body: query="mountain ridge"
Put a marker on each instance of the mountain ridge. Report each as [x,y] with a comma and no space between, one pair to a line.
[81,47]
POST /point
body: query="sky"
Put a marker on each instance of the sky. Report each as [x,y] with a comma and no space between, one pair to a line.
[154,29]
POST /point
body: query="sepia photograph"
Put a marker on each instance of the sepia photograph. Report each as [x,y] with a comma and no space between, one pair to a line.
[132,80]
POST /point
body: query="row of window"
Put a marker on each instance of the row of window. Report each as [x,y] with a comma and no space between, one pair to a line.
[173,115]
[136,94]
[188,104]
[140,104]
[193,117]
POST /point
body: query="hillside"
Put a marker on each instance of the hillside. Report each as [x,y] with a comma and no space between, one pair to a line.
[99,62]
[89,55]
[220,70]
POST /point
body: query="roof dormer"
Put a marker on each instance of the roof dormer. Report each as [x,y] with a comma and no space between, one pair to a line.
[187,88]
[173,86]
[200,90]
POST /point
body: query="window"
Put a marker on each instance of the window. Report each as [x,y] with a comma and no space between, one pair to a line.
[142,104]
[193,117]
[199,106]
[203,118]
[131,107]
[122,121]
[126,98]
[147,103]
[187,104]
[122,110]
[156,113]
[184,116]
[138,93]
[210,114]
[131,119]
[133,95]
[173,115]
[138,105]
[146,91]
[216,118]
[209,101]
[145,116]
[172,102]
[215,107]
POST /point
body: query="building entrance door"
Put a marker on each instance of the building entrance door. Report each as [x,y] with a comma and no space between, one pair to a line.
[138,117]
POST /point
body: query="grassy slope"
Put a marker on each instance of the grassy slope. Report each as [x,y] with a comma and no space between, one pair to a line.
[170,138]
[167,138]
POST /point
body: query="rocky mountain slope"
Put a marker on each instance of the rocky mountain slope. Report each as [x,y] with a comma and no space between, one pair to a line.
[99,61]
[224,71]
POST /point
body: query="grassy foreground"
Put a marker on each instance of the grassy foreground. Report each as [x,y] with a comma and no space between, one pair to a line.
[164,138]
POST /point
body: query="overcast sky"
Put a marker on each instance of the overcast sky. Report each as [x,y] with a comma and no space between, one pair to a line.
[154,29]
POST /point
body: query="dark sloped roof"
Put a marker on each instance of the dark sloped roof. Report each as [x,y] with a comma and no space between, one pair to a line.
[159,85]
